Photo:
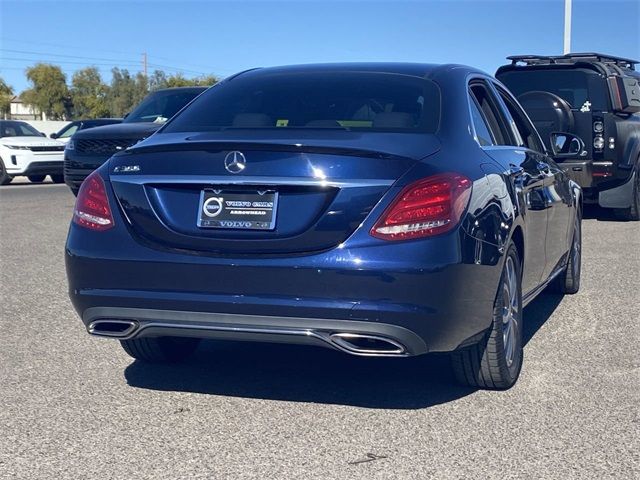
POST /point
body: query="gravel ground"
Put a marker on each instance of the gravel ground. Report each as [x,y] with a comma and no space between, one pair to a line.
[72,406]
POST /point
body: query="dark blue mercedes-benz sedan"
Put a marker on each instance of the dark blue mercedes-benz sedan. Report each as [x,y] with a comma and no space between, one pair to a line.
[377,209]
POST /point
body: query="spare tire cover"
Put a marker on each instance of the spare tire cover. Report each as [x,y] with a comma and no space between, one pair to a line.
[548,112]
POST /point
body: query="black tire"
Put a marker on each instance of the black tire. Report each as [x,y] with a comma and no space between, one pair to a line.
[160,349]
[36,178]
[569,280]
[633,212]
[57,178]
[488,364]
[5,178]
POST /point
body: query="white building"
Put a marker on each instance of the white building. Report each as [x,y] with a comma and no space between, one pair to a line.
[21,111]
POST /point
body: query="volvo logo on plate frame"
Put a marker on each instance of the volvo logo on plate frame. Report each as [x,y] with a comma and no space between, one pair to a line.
[235,162]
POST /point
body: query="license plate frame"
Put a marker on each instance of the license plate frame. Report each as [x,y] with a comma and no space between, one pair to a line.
[250,209]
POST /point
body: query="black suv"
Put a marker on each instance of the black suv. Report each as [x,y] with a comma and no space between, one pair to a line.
[597,98]
[88,149]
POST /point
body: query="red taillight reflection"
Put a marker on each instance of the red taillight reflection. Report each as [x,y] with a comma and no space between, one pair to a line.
[92,208]
[427,207]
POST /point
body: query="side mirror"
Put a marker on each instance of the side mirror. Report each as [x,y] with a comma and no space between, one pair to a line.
[566,144]
[53,135]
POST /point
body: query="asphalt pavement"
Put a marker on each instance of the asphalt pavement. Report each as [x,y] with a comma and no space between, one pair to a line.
[72,406]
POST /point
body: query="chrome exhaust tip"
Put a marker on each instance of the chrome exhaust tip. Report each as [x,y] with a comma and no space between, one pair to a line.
[363,344]
[112,328]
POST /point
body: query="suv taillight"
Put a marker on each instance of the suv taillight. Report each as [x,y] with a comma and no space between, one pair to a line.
[425,208]
[92,208]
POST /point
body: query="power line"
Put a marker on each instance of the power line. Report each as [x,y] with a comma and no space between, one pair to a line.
[64,62]
[75,47]
[90,60]
[65,56]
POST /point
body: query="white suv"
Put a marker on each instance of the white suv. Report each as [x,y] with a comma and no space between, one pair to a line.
[25,151]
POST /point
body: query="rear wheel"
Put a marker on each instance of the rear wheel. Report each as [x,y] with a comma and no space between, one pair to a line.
[5,178]
[160,349]
[633,212]
[57,178]
[36,178]
[496,361]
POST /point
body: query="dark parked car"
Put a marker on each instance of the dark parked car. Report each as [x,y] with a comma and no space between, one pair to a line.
[596,97]
[66,132]
[87,150]
[377,209]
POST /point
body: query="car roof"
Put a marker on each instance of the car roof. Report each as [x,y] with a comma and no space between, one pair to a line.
[421,70]
[181,89]
[598,62]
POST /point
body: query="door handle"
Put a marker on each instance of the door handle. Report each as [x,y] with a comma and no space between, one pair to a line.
[543,167]
[514,170]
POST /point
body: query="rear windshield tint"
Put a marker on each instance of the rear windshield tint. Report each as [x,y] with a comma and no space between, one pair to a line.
[340,100]
[576,87]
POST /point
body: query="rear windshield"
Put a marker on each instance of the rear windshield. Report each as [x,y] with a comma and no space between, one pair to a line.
[338,100]
[161,106]
[576,87]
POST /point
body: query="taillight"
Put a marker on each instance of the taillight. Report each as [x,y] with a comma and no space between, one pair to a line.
[92,208]
[425,208]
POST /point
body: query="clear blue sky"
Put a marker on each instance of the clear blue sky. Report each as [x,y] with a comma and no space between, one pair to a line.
[225,37]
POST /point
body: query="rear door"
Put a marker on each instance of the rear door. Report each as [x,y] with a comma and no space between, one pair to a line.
[557,195]
[524,167]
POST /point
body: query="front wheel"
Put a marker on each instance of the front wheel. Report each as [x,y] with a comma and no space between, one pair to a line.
[495,362]
[160,349]
[5,178]
[57,178]
[36,178]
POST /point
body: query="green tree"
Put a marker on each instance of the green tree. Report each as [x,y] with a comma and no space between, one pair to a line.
[6,94]
[89,94]
[126,91]
[49,93]
[160,79]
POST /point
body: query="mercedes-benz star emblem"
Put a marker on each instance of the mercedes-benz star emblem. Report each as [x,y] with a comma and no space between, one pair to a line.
[235,162]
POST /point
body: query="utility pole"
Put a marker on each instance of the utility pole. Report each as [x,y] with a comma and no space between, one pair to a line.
[567,26]
[144,64]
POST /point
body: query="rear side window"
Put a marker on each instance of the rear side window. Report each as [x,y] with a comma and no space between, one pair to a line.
[523,129]
[367,101]
[483,135]
[489,113]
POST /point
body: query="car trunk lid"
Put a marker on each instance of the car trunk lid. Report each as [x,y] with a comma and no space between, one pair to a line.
[323,187]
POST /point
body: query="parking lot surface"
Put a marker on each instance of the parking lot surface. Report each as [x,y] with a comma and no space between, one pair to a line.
[72,406]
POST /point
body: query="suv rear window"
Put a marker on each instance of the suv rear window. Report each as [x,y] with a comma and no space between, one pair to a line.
[328,99]
[574,86]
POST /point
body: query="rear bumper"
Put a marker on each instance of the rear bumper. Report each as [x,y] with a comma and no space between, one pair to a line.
[427,296]
[596,176]
[393,340]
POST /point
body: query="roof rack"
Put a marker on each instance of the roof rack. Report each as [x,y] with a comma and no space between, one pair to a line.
[572,58]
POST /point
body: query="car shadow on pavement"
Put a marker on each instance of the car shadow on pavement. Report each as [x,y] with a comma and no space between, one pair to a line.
[595,212]
[304,374]
[317,375]
[538,312]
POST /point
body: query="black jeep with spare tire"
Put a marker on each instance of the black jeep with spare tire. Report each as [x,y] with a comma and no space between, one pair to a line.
[597,98]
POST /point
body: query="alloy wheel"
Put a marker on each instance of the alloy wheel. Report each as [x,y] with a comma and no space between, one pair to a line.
[510,312]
